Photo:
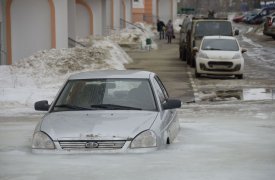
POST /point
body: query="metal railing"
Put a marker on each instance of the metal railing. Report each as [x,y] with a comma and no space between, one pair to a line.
[72,42]
[129,23]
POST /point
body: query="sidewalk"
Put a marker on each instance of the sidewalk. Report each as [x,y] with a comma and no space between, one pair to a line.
[166,63]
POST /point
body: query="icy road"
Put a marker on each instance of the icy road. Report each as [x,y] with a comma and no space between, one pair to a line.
[215,142]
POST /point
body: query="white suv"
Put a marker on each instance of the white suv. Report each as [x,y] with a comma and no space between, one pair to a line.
[219,55]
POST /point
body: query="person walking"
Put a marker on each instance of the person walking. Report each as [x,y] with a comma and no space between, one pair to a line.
[169,31]
[160,28]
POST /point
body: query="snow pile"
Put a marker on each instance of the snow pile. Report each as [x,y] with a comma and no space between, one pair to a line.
[41,75]
[178,21]
[136,34]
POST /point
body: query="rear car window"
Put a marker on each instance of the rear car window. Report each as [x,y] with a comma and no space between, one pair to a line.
[210,28]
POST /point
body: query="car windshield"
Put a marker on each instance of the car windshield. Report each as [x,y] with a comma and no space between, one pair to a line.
[220,44]
[107,94]
[210,28]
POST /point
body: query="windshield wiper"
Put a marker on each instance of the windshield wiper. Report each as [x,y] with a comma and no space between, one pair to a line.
[72,107]
[114,107]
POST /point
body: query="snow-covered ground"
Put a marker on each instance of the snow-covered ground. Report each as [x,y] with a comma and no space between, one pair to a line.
[136,34]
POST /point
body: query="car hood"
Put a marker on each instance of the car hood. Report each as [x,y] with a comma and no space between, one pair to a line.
[220,54]
[97,125]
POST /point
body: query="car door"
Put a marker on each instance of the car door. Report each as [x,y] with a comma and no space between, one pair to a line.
[169,120]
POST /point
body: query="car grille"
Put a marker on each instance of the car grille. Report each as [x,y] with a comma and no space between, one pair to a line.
[83,144]
[218,63]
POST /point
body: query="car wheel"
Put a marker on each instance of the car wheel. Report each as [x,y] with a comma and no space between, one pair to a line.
[239,76]
[180,54]
[273,37]
[187,59]
[193,62]
[184,56]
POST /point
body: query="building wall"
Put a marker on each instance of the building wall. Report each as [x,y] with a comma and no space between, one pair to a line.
[71,19]
[165,10]
[129,6]
[117,8]
[82,22]
[138,4]
[96,6]
[148,10]
[45,24]
[106,17]
[2,35]
[154,11]
[30,27]
[175,9]
[61,23]
[138,10]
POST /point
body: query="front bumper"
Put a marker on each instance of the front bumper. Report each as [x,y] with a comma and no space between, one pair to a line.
[125,149]
[269,32]
[219,66]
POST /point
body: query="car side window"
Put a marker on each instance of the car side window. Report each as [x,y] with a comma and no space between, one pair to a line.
[161,91]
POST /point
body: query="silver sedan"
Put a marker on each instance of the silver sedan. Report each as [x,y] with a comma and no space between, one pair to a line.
[108,111]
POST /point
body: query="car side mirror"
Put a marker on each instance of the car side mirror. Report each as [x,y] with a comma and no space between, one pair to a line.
[172,104]
[195,49]
[180,25]
[237,32]
[244,50]
[41,105]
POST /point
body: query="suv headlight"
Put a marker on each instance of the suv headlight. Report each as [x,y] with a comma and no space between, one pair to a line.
[42,141]
[144,140]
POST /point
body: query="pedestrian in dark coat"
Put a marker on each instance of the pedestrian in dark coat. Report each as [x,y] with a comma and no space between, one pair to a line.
[160,28]
[169,31]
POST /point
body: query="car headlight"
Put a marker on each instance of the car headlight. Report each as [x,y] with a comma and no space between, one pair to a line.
[144,140]
[237,56]
[42,141]
[202,55]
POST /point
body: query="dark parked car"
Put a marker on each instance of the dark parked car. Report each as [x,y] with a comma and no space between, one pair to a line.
[185,27]
[260,17]
[201,27]
[245,16]
[269,26]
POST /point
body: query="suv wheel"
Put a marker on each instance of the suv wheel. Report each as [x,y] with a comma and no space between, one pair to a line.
[180,52]
[193,62]
[184,56]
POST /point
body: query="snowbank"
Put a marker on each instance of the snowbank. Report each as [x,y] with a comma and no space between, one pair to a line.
[178,21]
[41,75]
[136,34]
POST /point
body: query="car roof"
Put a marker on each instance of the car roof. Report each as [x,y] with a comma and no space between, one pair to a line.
[211,20]
[103,74]
[219,37]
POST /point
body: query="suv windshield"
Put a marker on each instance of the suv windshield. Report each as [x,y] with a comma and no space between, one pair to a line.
[107,94]
[220,44]
[209,28]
